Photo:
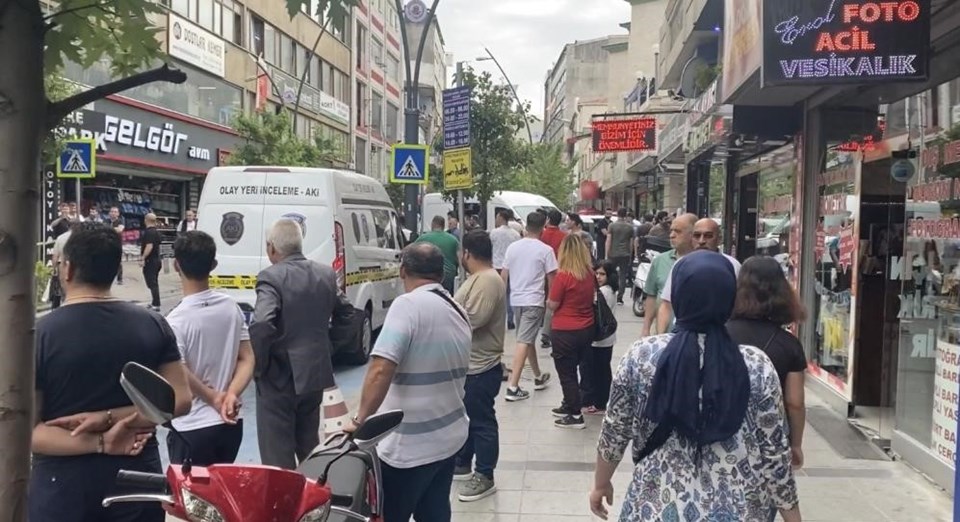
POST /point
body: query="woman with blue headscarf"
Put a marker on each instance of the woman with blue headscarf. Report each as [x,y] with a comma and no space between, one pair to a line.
[705,416]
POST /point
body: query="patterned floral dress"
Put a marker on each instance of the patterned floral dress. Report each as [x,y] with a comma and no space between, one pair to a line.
[744,479]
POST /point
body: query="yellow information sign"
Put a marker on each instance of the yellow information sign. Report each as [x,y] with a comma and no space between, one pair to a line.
[458,169]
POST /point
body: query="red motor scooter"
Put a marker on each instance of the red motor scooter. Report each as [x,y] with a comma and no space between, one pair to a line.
[243,493]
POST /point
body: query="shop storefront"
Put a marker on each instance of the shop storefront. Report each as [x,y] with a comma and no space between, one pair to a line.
[927,275]
[148,160]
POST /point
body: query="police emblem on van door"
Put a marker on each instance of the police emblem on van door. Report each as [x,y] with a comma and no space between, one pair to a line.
[231,228]
[300,219]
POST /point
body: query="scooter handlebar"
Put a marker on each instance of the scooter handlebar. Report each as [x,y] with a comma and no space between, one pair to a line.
[142,481]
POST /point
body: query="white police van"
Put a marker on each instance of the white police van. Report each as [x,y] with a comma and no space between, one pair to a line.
[348,223]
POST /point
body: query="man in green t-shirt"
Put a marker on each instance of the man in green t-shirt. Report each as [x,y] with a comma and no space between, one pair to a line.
[681,238]
[449,247]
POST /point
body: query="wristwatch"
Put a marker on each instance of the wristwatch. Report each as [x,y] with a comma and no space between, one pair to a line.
[356,420]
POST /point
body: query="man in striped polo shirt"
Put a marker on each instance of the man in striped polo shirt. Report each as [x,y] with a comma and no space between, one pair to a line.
[419,365]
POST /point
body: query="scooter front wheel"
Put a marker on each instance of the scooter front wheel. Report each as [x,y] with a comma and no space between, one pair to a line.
[638,304]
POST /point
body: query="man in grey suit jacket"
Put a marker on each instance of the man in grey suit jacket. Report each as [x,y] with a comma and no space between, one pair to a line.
[290,333]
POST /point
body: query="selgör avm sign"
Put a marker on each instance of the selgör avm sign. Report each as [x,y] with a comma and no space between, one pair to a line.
[823,42]
[637,134]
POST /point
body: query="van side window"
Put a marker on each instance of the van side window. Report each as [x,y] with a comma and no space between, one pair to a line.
[356,226]
[386,235]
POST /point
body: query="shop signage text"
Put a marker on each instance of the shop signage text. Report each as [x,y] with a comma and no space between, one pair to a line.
[945,390]
[120,129]
[638,134]
[311,98]
[196,46]
[853,41]
[706,134]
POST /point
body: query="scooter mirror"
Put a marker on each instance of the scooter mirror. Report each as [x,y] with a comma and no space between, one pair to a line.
[376,427]
[152,395]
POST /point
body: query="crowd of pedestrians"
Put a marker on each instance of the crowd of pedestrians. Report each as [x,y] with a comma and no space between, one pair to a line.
[703,406]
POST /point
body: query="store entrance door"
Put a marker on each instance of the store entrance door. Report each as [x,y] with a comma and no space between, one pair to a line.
[881,240]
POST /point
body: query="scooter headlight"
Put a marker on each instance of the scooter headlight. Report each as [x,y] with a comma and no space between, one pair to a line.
[317,515]
[200,510]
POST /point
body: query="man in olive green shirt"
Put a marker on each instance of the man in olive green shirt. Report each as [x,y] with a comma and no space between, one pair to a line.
[681,238]
[449,247]
[484,297]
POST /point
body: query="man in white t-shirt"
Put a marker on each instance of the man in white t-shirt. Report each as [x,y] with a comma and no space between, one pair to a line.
[502,237]
[528,269]
[706,236]
[213,339]
[419,364]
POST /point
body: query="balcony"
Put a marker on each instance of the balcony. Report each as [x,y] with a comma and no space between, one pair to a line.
[689,25]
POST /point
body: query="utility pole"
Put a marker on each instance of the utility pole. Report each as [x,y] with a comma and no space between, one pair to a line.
[523,111]
[458,82]
[411,112]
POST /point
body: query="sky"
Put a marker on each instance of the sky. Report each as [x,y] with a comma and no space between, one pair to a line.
[526,36]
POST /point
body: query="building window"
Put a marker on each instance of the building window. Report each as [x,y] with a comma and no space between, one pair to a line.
[328,83]
[287,51]
[390,134]
[376,112]
[205,14]
[361,47]
[361,103]
[344,89]
[181,7]
[316,78]
[231,21]
[376,53]
[360,153]
[257,28]
[392,66]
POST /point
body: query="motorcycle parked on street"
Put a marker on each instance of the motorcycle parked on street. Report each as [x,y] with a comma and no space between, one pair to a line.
[250,493]
[652,247]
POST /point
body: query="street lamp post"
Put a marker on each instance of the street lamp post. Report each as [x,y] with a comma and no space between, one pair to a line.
[411,112]
[526,120]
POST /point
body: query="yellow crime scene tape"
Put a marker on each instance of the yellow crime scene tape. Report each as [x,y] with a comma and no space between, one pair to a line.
[249,282]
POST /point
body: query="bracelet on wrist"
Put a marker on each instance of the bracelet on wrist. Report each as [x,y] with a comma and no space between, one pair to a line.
[101,446]
[109,417]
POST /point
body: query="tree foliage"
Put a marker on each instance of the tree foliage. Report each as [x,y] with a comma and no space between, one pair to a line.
[494,122]
[269,140]
[57,89]
[545,172]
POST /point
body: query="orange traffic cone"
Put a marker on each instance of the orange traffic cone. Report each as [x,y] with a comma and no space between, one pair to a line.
[336,415]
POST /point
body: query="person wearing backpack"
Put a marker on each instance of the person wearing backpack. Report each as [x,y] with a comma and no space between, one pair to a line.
[597,374]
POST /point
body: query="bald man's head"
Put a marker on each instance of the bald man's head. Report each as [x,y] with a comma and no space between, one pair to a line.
[706,235]
[681,233]
[150,219]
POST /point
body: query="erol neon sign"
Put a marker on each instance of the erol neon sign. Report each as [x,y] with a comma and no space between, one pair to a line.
[830,41]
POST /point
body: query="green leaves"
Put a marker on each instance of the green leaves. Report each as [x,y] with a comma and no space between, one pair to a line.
[545,172]
[337,11]
[86,31]
[269,140]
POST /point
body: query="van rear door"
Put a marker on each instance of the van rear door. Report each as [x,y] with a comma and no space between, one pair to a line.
[231,211]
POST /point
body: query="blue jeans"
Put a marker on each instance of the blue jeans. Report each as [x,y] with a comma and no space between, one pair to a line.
[422,492]
[483,440]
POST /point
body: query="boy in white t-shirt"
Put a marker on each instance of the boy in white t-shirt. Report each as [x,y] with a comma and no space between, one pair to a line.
[528,269]
[213,339]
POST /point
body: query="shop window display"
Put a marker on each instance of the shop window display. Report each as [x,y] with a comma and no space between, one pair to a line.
[136,197]
[930,319]
[835,248]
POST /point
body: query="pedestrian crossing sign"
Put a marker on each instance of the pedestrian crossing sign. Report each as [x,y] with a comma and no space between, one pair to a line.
[410,164]
[78,159]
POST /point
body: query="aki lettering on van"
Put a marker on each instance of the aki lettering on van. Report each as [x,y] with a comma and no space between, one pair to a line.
[269,190]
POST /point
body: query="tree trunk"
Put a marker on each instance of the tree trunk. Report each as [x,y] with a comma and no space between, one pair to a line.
[22,110]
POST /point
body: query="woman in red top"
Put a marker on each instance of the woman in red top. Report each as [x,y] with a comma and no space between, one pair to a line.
[572,333]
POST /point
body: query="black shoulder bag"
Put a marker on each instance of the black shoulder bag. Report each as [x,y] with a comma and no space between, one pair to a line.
[605,324]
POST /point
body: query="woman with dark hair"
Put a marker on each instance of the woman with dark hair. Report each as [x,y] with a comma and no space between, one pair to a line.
[765,303]
[704,415]
[596,373]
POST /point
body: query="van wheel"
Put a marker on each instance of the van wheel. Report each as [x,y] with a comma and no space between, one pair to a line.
[362,352]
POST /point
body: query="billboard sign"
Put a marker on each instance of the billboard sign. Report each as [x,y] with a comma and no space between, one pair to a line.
[636,134]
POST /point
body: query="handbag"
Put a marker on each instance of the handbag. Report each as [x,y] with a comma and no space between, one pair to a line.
[605,324]
[346,327]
